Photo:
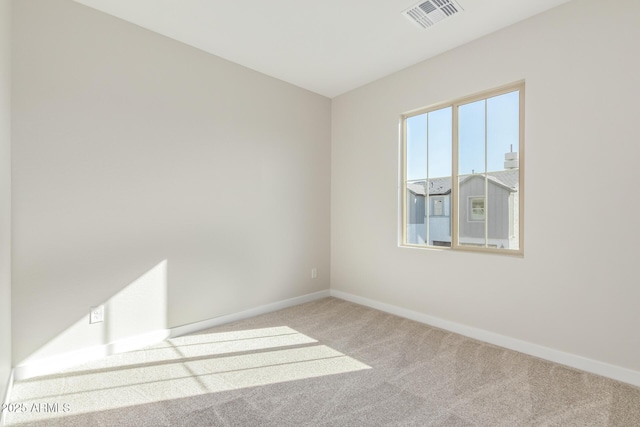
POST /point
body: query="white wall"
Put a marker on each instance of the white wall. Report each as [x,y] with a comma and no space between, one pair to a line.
[572,291]
[131,149]
[5,195]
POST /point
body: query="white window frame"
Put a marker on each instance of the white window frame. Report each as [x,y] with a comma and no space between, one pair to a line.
[454,197]
[470,213]
[441,200]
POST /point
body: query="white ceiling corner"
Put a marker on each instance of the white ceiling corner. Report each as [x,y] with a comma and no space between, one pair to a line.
[328,47]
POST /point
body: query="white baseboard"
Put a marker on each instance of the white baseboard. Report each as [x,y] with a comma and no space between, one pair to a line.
[568,359]
[6,400]
[263,309]
[55,364]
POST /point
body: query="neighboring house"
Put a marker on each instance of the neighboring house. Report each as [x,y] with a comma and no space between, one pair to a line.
[501,209]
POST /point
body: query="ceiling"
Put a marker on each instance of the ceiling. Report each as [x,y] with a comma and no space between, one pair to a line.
[326,46]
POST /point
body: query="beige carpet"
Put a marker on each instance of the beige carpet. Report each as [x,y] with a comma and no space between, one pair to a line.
[325,363]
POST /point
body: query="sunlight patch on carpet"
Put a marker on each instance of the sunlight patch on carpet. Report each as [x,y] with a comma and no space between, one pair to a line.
[179,368]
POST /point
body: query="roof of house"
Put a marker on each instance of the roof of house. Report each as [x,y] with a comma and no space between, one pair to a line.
[508,179]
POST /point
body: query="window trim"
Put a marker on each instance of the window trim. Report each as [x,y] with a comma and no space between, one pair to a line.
[441,200]
[470,212]
[454,207]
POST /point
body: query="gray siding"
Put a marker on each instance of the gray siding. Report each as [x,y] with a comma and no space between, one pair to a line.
[415,208]
[497,209]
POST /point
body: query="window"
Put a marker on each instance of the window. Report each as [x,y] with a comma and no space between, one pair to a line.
[438,206]
[462,173]
[476,205]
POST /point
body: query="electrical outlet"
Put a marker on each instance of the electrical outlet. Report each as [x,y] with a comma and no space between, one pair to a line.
[96,315]
[314,273]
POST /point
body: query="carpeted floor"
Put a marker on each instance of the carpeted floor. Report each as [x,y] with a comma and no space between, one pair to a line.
[324,363]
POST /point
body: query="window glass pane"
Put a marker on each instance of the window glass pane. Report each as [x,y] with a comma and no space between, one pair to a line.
[416,147]
[471,178]
[439,219]
[471,138]
[488,202]
[439,173]
[472,210]
[503,134]
[415,211]
[503,129]
[416,175]
[439,132]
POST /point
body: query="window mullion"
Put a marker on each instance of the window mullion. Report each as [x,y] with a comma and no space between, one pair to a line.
[454,178]
[427,202]
[486,179]
[521,146]
[403,130]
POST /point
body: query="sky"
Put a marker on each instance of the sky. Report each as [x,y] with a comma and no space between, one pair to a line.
[435,130]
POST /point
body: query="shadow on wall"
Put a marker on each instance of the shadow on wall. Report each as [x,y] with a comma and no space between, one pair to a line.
[134,317]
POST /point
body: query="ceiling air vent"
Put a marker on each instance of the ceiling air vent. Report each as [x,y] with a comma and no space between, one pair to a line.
[427,13]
